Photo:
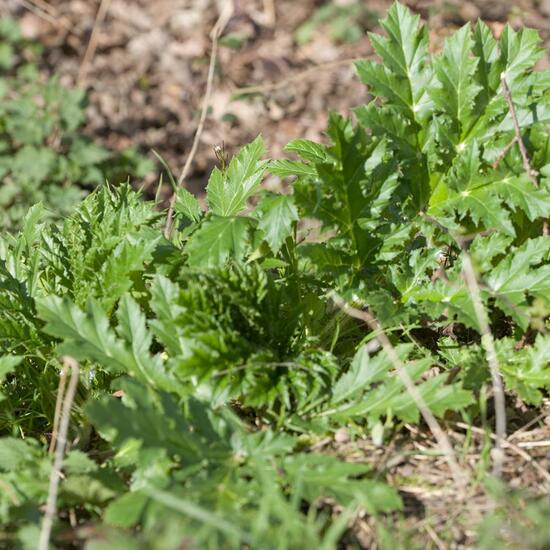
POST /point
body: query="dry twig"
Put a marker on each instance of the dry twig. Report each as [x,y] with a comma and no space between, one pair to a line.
[526,165]
[217,30]
[92,43]
[488,344]
[42,4]
[509,445]
[533,444]
[460,477]
[504,152]
[524,428]
[517,129]
[435,538]
[47,13]
[51,503]
[58,404]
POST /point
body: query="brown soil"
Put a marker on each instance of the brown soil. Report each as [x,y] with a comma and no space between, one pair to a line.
[147,77]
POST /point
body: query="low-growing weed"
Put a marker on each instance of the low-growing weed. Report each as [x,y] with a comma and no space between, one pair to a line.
[44,155]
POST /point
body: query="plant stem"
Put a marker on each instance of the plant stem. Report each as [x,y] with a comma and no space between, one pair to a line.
[58,405]
[460,477]
[522,149]
[92,43]
[55,476]
[219,27]
[488,343]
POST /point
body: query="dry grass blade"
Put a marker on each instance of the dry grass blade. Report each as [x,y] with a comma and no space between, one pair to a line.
[459,475]
[46,7]
[524,428]
[488,343]
[533,444]
[58,404]
[47,13]
[513,447]
[217,30]
[433,535]
[92,43]
[51,502]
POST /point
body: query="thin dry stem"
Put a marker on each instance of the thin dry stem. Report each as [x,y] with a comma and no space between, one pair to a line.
[217,30]
[509,445]
[459,475]
[49,15]
[533,444]
[504,152]
[461,241]
[488,343]
[524,428]
[55,476]
[58,404]
[92,43]
[46,7]
[433,535]
[526,164]
[517,129]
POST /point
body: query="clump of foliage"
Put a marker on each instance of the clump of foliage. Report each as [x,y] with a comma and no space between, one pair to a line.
[212,360]
[344,22]
[519,519]
[44,156]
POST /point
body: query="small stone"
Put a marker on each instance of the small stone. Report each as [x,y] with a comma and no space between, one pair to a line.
[32,27]
[341,436]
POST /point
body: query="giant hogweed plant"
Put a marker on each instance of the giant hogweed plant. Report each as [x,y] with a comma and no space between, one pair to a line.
[213,359]
[430,167]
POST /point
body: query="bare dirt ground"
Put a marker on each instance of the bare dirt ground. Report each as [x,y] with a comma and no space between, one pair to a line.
[146,78]
[146,82]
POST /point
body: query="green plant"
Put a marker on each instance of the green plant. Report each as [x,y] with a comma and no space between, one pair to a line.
[345,22]
[44,156]
[518,519]
[420,178]
[215,358]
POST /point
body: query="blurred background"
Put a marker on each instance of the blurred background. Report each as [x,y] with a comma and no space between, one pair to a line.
[282,64]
